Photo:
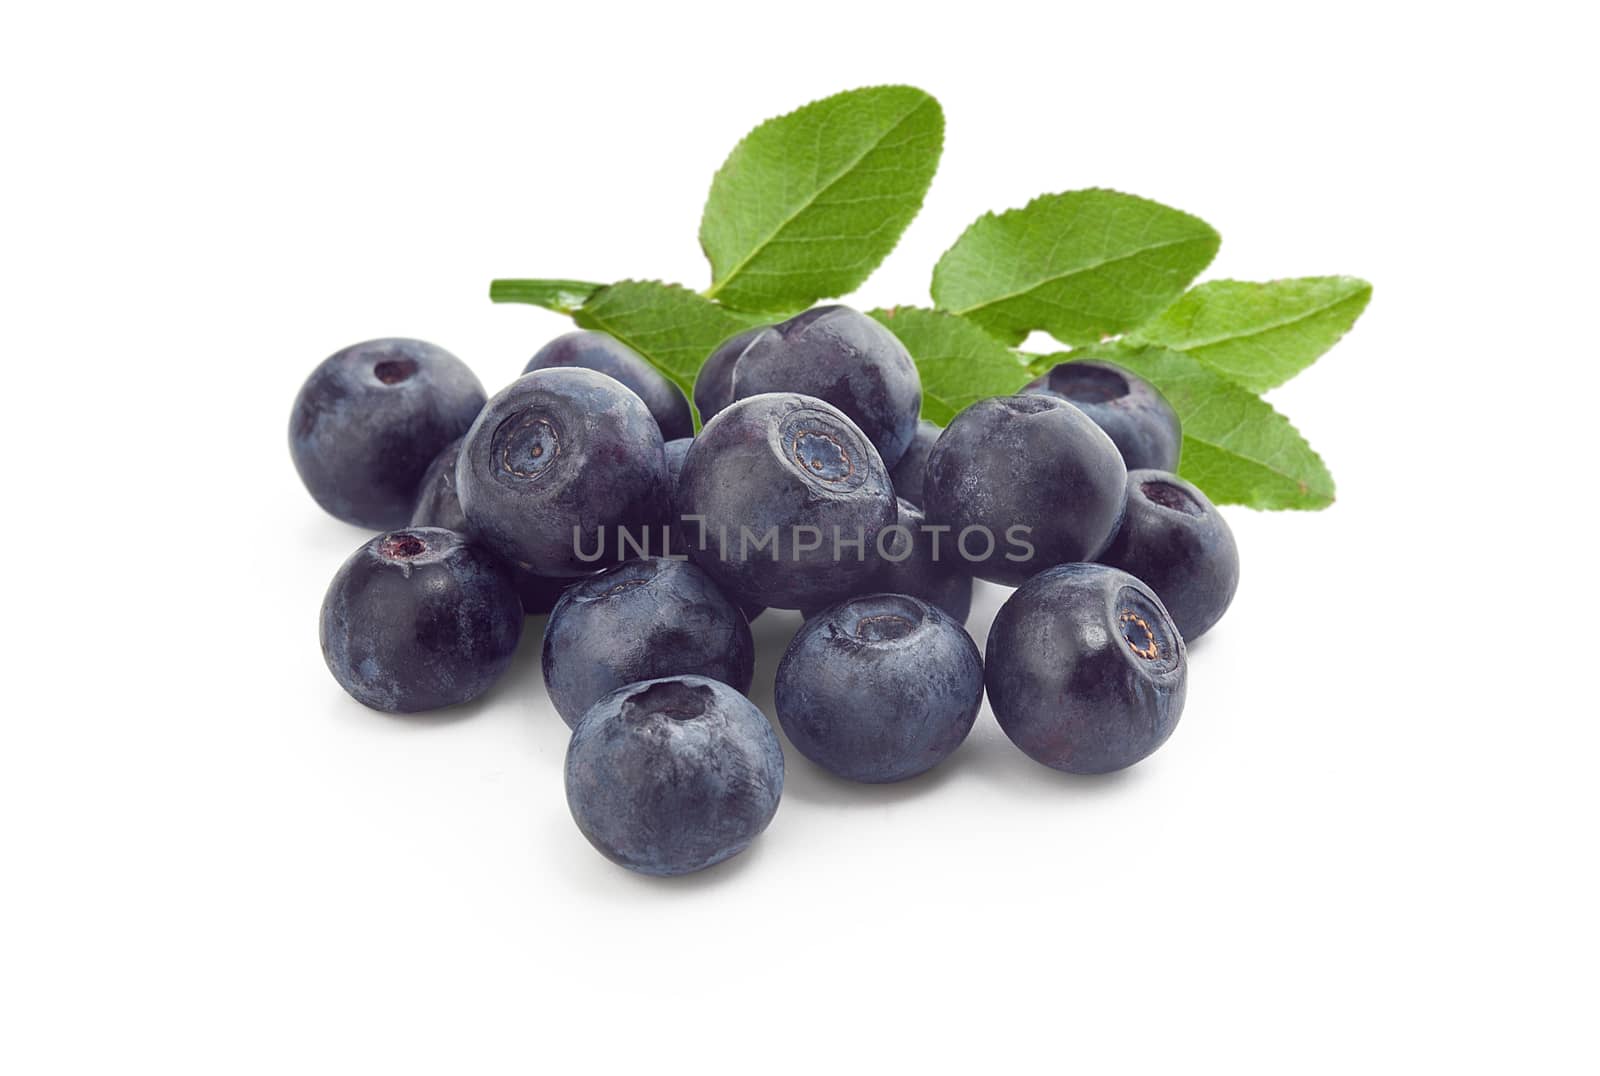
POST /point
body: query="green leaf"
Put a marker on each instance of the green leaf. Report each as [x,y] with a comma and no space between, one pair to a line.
[1235,446]
[1082,265]
[809,203]
[959,363]
[562,296]
[1260,335]
[673,327]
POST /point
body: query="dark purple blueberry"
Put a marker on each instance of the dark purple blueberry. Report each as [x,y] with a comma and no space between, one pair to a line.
[418,619]
[610,356]
[1024,482]
[922,563]
[781,501]
[713,385]
[438,506]
[673,775]
[1086,671]
[879,688]
[638,621]
[370,419]
[556,464]
[1175,541]
[907,474]
[845,358]
[1134,414]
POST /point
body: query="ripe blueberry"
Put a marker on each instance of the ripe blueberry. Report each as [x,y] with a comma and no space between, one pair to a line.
[1024,482]
[845,358]
[908,473]
[1134,414]
[781,500]
[1086,671]
[673,775]
[417,619]
[555,464]
[1175,541]
[610,356]
[438,506]
[879,688]
[370,419]
[641,620]
[713,385]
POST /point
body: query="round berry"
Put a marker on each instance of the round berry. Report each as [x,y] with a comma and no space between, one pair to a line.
[370,419]
[557,466]
[673,775]
[1086,671]
[1024,482]
[713,385]
[418,619]
[879,688]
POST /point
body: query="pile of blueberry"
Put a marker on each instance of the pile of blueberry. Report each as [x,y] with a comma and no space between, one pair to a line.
[580,491]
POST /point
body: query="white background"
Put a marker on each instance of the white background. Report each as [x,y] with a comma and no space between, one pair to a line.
[1370,846]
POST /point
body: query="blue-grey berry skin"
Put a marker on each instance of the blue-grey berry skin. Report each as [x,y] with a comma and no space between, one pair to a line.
[923,564]
[907,474]
[713,385]
[1176,542]
[1086,671]
[673,775]
[610,356]
[370,419]
[1134,414]
[879,688]
[1024,482]
[555,464]
[438,506]
[846,358]
[794,470]
[419,619]
[642,620]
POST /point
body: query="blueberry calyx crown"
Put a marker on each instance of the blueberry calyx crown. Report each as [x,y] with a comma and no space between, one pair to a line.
[527,444]
[402,546]
[394,371]
[669,698]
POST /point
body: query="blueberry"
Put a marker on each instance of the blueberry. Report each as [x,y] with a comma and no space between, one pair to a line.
[638,621]
[370,419]
[1024,482]
[879,688]
[1174,541]
[907,474]
[922,563]
[713,385]
[673,775]
[438,506]
[559,461]
[845,358]
[1138,419]
[417,619]
[610,356]
[790,497]
[1086,671]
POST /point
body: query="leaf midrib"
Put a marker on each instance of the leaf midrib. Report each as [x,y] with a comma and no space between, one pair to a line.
[717,286]
[1076,271]
[1192,345]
